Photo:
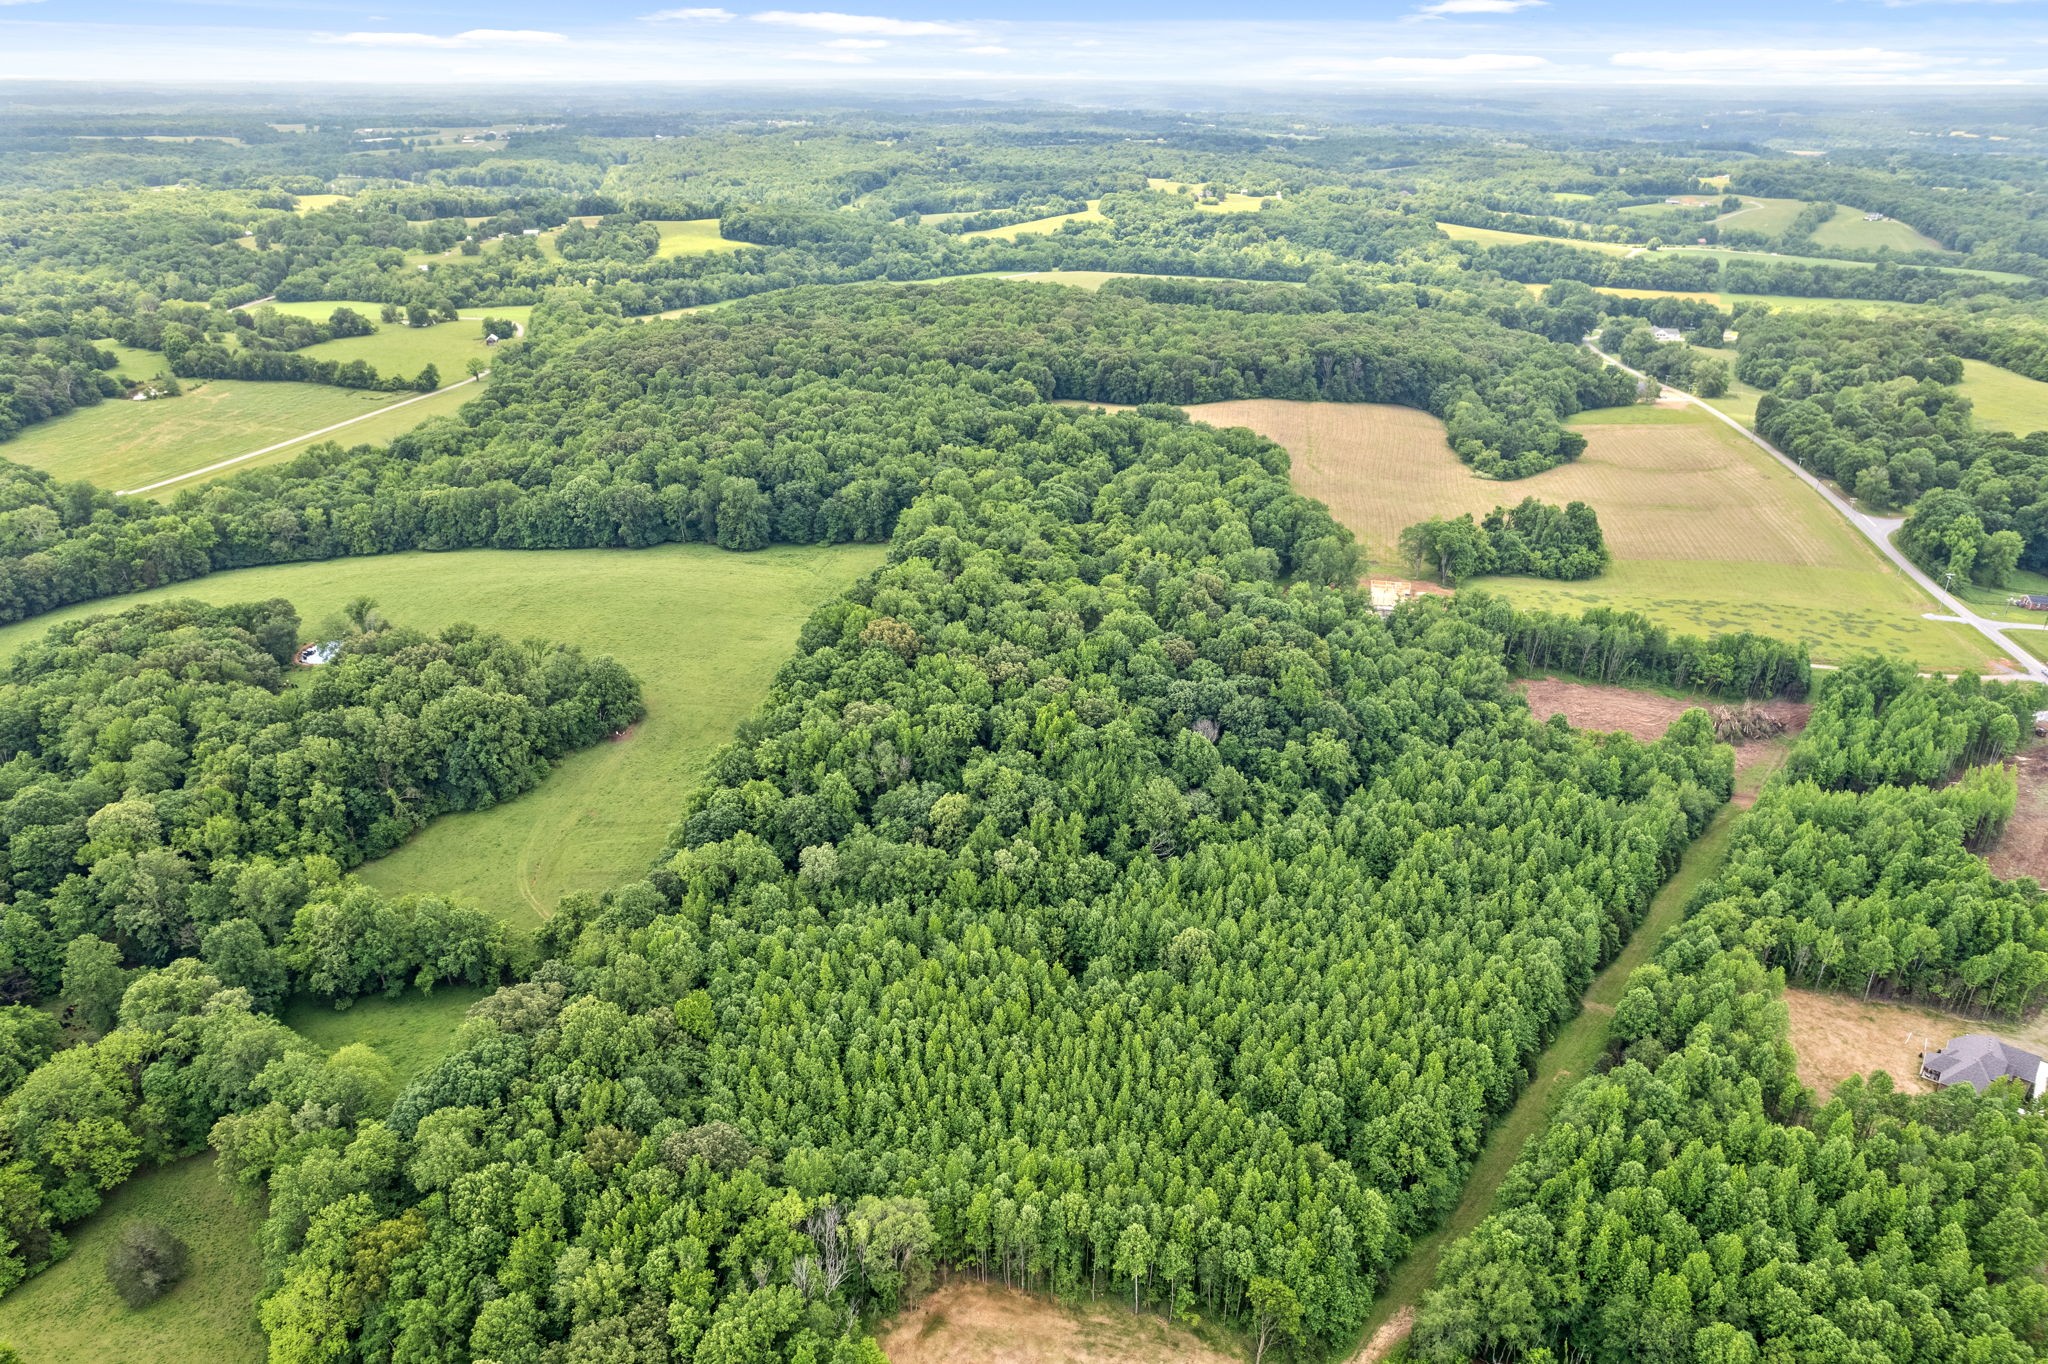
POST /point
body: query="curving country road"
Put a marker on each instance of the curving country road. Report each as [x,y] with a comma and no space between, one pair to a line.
[1876,529]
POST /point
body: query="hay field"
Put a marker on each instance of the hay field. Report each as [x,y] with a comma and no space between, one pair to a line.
[1707,531]
[121,444]
[2003,400]
[1488,236]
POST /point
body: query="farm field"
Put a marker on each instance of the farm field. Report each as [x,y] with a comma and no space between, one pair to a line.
[411,1032]
[703,629]
[1489,236]
[1847,231]
[690,237]
[69,1312]
[1770,217]
[395,348]
[133,361]
[313,203]
[1708,532]
[2004,401]
[1724,255]
[121,444]
[1233,202]
[1038,226]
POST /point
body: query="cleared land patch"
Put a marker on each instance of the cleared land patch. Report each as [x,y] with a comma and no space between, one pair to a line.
[970,1323]
[1645,714]
[70,1313]
[1836,1036]
[2022,850]
[1708,532]
[703,629]
[2004,401]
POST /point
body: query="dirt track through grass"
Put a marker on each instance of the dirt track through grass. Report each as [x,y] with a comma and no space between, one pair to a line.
[1569,1057]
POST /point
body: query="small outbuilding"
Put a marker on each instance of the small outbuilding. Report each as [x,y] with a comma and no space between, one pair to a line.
[1978,1058]
[314,655]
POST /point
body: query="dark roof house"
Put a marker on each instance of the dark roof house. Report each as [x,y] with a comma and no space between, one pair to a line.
[1976,1059]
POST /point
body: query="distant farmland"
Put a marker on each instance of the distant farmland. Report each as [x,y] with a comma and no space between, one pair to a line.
[1488,236]
[1708,532]
[2003,400]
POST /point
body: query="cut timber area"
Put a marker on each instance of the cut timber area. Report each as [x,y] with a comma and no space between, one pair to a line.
[971,1323]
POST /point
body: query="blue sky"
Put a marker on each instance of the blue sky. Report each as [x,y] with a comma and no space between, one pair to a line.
[1476,45]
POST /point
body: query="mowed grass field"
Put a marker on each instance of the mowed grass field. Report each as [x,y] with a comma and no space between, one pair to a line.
[691,237]
[1847,231]
[395,348]
[1489,236]
[703,629]
[120,444]
[1708,532]
[68,1314]
[2004,401]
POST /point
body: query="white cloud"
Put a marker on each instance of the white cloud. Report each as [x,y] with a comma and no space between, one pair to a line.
[828,21]
[987,49]
[475,37]
[701,15]
[858,42]
[821,55]
[1471,63]
[1775,61]
[1446,7]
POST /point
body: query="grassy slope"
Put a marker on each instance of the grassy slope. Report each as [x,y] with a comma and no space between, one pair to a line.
[68,1314]
[703,630]
[1847,231]
[122,444]
[1569,1057]
[1708,532]
[691,237]
[2003,400]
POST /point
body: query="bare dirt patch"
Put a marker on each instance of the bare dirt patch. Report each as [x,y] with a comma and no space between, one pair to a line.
[970,1323]
[1647,714]
[1836,1036]
[1392,1332]
[2022,850]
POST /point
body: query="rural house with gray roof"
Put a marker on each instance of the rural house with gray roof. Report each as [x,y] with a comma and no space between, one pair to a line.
[1977,1059]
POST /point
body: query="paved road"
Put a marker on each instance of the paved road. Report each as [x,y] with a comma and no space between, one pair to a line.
[1876,529]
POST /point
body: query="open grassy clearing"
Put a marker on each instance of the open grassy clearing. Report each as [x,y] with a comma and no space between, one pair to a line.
[1489,236]
[1770,217]
[2004,401]
[1741,399]
[313,203]
[1708,532]
[691,237]
[121,444]
[69,1315]
[703,629]
[1837,1036]
[1571,1056]
[964,1322]
[1724,255]
[134,361]
[1039,226]
[1849,231]
[395,348]
[1232,201]
[411,1032]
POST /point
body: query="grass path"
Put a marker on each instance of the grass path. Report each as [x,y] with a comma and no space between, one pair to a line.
[1570,1056]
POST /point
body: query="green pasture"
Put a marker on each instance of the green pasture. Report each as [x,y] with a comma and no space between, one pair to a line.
[1040,226]
[69,1314]
[121,444]
[691,237]
[1848,231]
[411,1032]
[1488,236]
[2003,400]
[703,629]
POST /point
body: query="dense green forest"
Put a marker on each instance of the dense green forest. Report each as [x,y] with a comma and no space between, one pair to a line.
[1103,900]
